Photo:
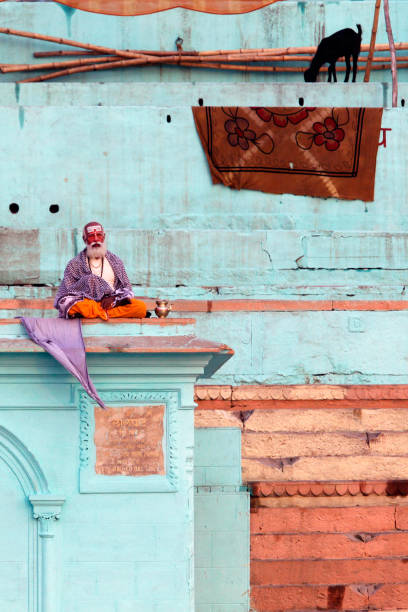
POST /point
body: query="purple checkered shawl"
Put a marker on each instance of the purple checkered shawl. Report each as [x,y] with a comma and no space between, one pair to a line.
[79,283]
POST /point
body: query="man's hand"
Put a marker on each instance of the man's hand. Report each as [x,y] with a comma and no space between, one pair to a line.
[123,302]
[107,302]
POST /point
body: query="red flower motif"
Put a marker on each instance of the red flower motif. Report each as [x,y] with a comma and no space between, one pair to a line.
[238,133]
[328,133]
[282,119]
[262,112]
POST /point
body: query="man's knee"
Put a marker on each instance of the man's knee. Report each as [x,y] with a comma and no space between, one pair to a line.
[136,309]
[139,307]
[89,309]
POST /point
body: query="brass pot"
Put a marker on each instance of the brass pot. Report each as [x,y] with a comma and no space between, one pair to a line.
[162,309]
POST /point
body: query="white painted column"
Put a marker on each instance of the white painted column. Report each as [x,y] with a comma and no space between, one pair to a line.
[47,510]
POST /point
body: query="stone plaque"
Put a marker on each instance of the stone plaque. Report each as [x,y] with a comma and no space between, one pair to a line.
[129,440]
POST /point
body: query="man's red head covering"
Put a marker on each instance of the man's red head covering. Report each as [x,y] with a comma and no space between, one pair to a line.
[91,227]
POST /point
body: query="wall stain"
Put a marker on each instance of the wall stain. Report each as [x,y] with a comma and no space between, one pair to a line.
[69,11]
[397,487]
[17,92]
[335,596]
[21,116]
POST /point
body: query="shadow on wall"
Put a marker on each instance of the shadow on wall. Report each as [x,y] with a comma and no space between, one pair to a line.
[397,487]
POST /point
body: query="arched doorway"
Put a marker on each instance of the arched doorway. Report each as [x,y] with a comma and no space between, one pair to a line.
[15,545]
[27,512]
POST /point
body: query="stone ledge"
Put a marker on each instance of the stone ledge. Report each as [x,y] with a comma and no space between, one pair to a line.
[117,321]
[127,344]
[12,329]
[235,305]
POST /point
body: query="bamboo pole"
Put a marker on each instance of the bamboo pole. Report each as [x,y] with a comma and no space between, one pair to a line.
[245,68]
[105,66]
[63,53]
[114,63]
[6,68]
[216,65]
[171,60]
[372,42]
[393,57]
[72,43]
[53,65]
[186,54]
[70,53]
[288,51]
[296,50]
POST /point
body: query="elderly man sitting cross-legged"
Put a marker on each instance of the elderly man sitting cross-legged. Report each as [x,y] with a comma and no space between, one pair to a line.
[95,283]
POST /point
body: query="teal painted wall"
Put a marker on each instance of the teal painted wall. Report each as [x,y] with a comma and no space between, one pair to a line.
[110,551]
[221,523]
[106,150]
[14,544]
[149,181]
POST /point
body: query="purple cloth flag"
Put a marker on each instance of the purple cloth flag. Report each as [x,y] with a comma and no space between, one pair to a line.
[62,338]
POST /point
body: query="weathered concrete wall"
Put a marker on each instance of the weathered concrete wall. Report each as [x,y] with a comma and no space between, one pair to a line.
[141,173]
[109,152]
[283,24]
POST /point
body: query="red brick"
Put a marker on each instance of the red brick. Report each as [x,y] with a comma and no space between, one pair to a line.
[401,517]
[304,598]
[33,304]
[327,546]
[269,305]
[390,596]
[326,520]
[328,572]
[317,404]
[214,405]
[377,305]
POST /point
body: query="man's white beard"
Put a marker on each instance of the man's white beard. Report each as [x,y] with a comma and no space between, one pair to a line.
[96,251]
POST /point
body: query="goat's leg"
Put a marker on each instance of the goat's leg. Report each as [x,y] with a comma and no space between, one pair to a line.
[329,72]
[347,58]
[355,61]
[334,72]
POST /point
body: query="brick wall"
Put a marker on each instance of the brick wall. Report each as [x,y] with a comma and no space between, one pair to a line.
[329,505]
[337,558]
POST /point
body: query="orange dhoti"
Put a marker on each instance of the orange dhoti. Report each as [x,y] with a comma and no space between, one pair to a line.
[90,309]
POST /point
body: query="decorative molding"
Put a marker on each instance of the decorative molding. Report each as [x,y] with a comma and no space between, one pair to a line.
[229,395]
[22,463]
[84,401]
[212,392]
[388,488]
[47,505]
[53,407]
[47,509]
[90,482]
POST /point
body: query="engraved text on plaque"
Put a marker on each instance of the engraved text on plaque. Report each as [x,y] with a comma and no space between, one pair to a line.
[129,440]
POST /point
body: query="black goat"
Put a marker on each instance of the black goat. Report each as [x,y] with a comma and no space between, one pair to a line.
[345,43]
